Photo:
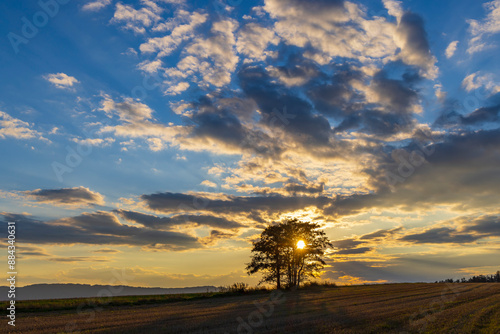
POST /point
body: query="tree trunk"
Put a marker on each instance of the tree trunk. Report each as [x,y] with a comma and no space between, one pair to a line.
[278,271]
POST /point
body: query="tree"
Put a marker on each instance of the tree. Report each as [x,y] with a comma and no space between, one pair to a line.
[290,251]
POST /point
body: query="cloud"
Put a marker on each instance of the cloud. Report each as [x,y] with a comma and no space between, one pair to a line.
[411,37]
[176,202]
[137,20]
[209,183]
[157,222]
[296,72]
[150,66]
[480,30]
[353,251]
[349,247]
[97,228]
[155,144]
[77,196]
[450,50]
[450,118]
[477,80]
[177,89]
[61,80]
[94,6]
[295,115]
[128,111]
[17,129]
[466,162]
[482,115]
[469,229]
[136,121]
[216,55]
[207,60]
[439,236]
[394,8]
[381,106]
[331,29]
[181,28]
[392,95]
[379,234]
[106,251]
[72,259]
[99,142]
[294,188]
[484,226]
[215,236]
[253,40]
[32,251]
[419,267]
[346,243]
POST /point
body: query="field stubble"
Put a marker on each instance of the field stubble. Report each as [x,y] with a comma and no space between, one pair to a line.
[389,308]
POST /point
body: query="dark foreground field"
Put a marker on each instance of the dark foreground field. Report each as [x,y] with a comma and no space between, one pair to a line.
[392,308]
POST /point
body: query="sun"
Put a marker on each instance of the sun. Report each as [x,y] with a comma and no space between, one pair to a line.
[301,244]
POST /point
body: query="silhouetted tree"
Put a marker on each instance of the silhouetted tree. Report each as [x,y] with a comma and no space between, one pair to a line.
[495,278]
[281,258]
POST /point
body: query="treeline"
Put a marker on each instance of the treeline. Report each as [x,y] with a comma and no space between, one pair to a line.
[495,278]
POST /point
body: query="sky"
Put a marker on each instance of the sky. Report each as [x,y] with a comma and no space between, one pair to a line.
[155,139]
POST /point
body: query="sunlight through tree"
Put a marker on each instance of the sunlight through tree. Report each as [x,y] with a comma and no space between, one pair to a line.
[289,252]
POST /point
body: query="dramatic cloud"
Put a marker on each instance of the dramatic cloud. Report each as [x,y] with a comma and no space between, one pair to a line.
[380,234]
[413,267]
[156,222]
[175,202]
[484,226]
[470,229]
[439,236]
[349,247]
[98,228]
[219,120]
[297,73]
[467,163]
[78,196]
[61,80]
[215,56]
[332,29]
[411,37]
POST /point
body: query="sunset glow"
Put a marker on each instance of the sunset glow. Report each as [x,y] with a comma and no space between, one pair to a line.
[159,138]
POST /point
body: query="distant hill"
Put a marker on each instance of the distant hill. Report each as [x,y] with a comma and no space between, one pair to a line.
[53,291]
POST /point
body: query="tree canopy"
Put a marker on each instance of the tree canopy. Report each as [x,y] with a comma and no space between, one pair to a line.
[289,252]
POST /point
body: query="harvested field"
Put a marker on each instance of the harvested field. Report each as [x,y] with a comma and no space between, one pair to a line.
[391,308]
